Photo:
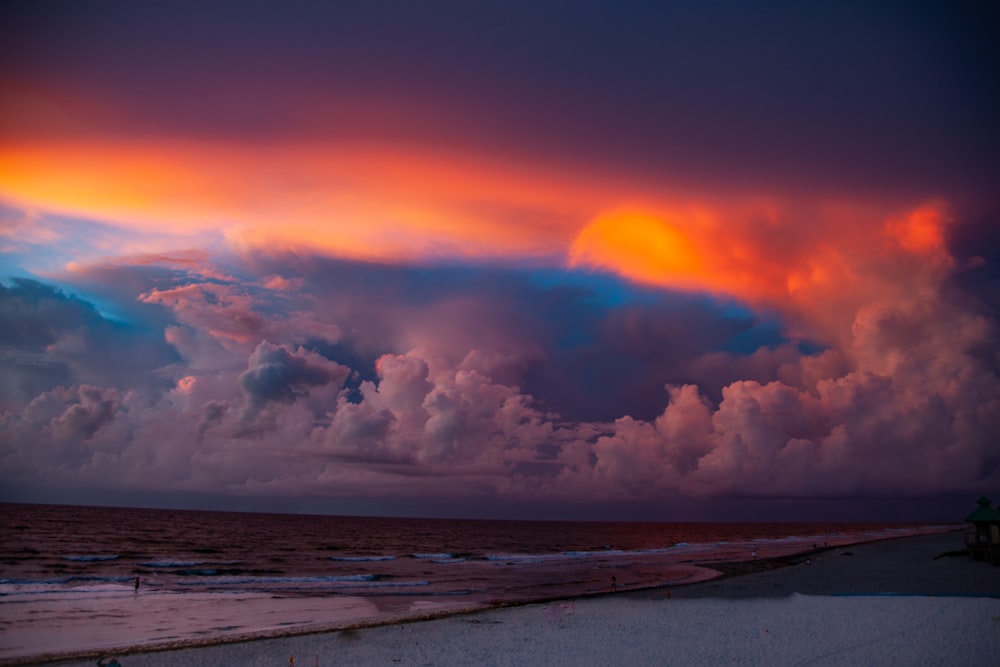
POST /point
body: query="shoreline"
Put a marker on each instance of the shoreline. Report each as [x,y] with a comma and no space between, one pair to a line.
[769,578]
[924,565]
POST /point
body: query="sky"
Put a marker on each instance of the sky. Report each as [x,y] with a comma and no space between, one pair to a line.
[578,260]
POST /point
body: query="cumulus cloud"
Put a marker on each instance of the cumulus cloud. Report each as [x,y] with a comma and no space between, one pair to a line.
[83,418]
[903,398]
[435,418]
[315,295]
[276,374]
[50,338]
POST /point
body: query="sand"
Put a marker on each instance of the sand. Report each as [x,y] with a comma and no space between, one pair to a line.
[887,603]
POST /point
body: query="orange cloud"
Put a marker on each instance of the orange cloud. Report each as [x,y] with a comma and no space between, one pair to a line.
[406,203]
[726,248]
[920,230]
[818,263]
[643,248]
[364,202]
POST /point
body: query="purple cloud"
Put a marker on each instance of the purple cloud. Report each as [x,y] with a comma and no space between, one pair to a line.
[276,374]
[905,405]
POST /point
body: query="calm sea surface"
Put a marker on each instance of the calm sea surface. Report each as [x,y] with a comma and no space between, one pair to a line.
[56,561]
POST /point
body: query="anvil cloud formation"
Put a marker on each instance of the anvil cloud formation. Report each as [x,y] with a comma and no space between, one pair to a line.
[613,260]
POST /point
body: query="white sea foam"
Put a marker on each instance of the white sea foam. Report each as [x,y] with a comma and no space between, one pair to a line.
[76,585]
[430,556]
[173,563]
[230,580]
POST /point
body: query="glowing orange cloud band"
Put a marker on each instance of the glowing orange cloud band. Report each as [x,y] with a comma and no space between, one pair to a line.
[390,204]
[753,250]
[367,203]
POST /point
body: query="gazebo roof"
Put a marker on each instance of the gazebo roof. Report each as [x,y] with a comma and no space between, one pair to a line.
[984,513]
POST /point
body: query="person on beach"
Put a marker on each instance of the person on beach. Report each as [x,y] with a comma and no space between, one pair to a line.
[614,583]
[137,584]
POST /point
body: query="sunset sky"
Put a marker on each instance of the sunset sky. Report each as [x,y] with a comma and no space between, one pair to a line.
[547,259]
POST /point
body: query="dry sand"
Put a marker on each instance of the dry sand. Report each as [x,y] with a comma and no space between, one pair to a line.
[894,602]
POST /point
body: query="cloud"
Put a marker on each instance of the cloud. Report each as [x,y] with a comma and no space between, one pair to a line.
[766,252]
[569,264]
[913,413]
[51,338]
[445,386]
[235,317]
[433,418]
[683,93]
[276,374]
[224,311]
[387,203]
[82,419]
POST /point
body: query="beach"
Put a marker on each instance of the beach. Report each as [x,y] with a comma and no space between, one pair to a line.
[901,601]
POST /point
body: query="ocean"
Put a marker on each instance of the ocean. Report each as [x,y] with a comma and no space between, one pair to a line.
[203,575]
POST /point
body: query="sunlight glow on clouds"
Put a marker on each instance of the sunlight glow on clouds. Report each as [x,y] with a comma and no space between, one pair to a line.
[865,280]
[548,265]
[366,203]
[759,252]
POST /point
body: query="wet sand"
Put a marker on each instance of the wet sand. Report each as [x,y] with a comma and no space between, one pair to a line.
[901,601]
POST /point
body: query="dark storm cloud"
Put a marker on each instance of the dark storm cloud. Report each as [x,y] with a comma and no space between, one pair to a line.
[589,348]
[49,338]
[277,374]
[976,246]
[36,314]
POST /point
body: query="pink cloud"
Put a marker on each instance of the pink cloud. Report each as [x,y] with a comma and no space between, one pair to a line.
[235,318]
[902,402]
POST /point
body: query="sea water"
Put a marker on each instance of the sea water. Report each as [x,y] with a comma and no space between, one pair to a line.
[77,579]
